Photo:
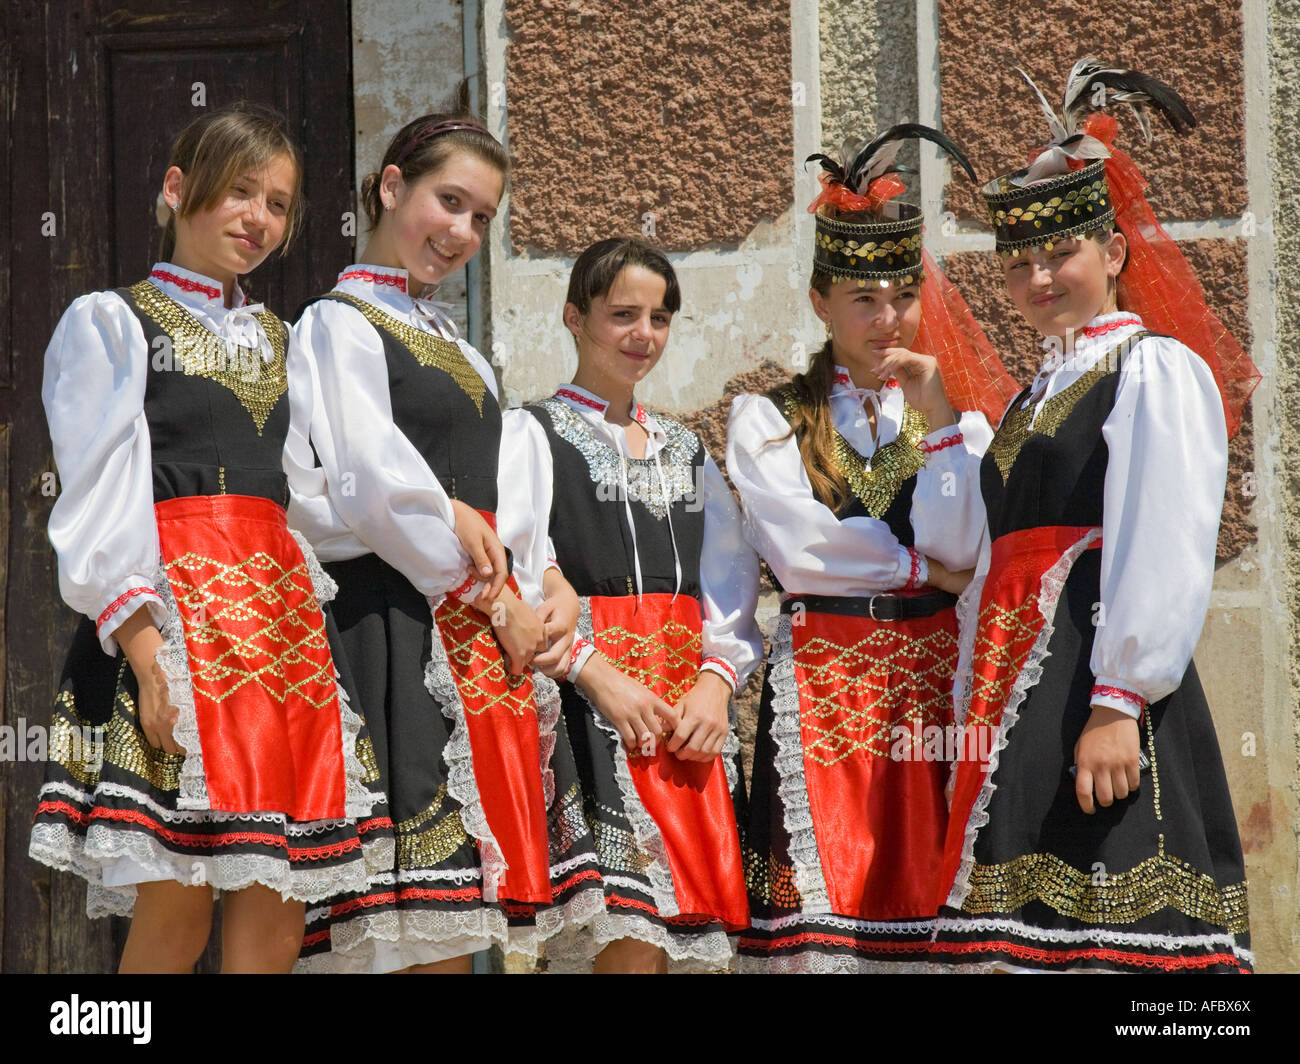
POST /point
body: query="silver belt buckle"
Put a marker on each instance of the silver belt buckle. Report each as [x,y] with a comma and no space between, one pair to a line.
[871,607]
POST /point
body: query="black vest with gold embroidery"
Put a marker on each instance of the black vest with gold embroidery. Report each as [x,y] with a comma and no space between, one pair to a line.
[1054,473]
[884,490]
[218,416]
[588,519]
[441,404]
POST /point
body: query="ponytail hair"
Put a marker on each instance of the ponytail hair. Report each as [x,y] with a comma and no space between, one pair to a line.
[810,421]
[213,150]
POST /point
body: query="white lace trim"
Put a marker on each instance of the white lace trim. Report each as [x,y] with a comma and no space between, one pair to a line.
[352,941]
[967,610]
[1053,581]
[921,927]
[359,800]
[564,867]
[818,963]
[547,693]
[579,911]
[173,659]
[56,846]
[432,875]
[730,756]
[379,853]
[461,784]
[1098,936]
[793,787]
[648,837]
[321,582]
[711,951]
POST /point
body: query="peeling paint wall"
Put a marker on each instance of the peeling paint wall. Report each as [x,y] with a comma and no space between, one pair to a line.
[407,60]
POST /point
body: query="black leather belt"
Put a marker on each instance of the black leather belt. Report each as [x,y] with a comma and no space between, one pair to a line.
[877,607]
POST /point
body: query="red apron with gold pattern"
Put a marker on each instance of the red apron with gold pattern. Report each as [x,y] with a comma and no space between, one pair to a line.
[1009,625]
[501,720]
[877,805]
[265,695]
[657,643]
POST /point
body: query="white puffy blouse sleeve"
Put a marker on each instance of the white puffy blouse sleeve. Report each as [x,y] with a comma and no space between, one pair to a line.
[375,479]
[1163,495]
[102,526]
[525,478]
[729,578]
[947,508]
[310,510]
[810,550]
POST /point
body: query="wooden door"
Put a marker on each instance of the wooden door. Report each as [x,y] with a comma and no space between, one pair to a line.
[93,93]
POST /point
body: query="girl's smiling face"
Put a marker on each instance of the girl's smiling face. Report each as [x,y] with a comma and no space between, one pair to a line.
[1061,290]
[436,224]
[623,334]
[235,237]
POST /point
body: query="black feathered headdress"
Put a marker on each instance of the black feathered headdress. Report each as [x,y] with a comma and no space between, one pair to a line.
[885,246]
[1054,198]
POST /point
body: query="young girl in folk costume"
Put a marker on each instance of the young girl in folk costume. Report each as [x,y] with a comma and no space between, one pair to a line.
[407,436]
[1098,833]
[221,752]
[859,486]
[634,512]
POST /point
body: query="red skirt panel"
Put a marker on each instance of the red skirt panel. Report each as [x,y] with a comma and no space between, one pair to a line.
[501,719]
[657,642]
[868,690]
[1008,626]
[265,695]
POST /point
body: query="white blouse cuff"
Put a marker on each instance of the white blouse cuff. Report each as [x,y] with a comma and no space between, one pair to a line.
[579,654]
[469,590]
[134,593]
[913,569]
[723,668]
[1111,694]
[941,439]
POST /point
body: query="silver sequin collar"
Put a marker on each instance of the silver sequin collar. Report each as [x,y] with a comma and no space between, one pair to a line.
[676,459]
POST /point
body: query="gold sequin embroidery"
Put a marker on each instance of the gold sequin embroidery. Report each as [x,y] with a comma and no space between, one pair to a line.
[421,846]
[257,384]
[853,696]
[1151,756]
[673,649]
[74,745]
[366,755]
[478,663]
[1019,423]
[126,747]
[891,466]
[1001,658]
[1159,882]
[426,349]
[260,589]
